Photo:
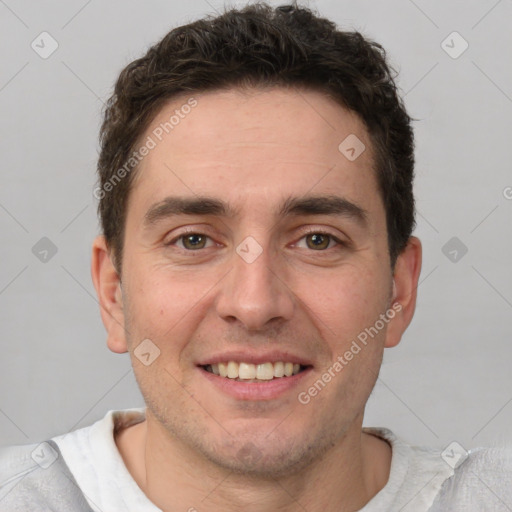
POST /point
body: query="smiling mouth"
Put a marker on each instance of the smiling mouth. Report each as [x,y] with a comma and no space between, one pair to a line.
[248,372]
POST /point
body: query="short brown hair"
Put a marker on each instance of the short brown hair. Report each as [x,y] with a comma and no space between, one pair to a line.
[260,46]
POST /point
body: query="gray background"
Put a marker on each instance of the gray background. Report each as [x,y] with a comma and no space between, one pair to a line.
[449,379]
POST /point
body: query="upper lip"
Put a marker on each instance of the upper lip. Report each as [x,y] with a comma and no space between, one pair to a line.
[255,357]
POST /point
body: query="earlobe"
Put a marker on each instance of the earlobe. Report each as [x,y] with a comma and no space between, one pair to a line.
[108,288]
[405,285]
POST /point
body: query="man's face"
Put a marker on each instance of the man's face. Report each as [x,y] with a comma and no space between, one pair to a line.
[258,283]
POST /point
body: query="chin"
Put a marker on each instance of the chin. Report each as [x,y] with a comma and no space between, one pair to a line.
[249,460]
[268,456]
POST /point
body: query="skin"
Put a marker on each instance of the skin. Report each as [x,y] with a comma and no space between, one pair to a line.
[253,149]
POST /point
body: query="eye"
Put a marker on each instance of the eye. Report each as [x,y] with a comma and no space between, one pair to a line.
[315,240]
[191,241]
[319,241]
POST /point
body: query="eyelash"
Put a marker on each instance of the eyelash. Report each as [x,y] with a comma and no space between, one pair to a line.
[304,234]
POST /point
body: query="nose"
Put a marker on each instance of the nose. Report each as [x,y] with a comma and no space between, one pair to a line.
[254,293]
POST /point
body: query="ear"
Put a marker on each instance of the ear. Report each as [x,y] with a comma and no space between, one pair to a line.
[108,288]
[403,301]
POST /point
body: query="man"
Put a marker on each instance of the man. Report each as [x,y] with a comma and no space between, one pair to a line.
[256,258]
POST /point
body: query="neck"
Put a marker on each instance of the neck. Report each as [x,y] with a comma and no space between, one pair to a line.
[176,477]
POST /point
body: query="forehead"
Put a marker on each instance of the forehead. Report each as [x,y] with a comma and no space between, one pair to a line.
[242,144]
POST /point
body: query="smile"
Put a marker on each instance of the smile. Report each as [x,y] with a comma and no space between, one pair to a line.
[256,372]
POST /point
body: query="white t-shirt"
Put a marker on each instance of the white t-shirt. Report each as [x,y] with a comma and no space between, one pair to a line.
[420,479]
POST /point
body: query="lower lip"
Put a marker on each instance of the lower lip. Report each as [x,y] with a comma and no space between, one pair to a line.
[264,390]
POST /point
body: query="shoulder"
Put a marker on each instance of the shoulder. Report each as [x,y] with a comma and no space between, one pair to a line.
[50,476]
[35,478]
[16,463]
[482,480]
[426,478]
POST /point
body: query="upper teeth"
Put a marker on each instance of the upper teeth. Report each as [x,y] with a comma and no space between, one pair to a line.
[264,371]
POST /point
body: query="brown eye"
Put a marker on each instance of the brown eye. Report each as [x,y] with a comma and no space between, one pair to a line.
[193,241]
[318,241]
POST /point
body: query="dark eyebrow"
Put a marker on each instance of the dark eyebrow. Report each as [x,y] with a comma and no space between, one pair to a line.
[309,205]
[324,205]
[186,206]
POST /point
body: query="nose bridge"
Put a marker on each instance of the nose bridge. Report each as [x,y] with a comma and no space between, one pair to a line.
[254,293]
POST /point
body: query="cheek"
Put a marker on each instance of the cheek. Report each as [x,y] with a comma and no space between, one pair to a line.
[344,303]
[147,302]
[156,299]
[163,307]
[349,302]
